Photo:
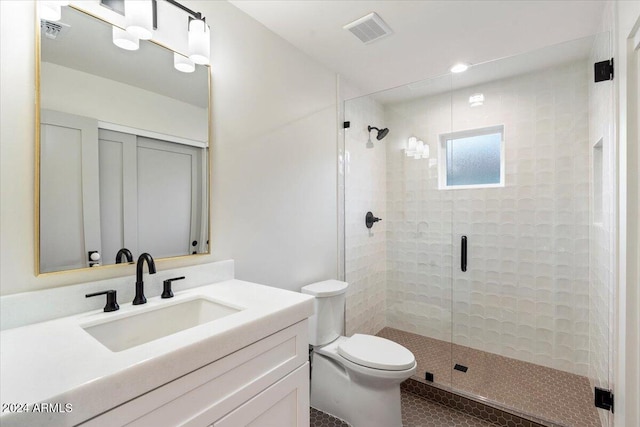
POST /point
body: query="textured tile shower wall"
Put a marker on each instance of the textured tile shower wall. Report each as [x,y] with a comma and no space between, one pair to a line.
[365,190]
[419,226]
[526,293]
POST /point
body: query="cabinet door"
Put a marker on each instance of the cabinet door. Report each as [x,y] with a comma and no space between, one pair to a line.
[217,389]
[284,404]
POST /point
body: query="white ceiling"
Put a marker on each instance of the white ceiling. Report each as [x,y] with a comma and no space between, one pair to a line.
[429,36]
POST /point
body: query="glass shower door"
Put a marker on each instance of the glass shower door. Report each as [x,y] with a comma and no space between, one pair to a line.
[528,321]
[419,226]
[399,270]
[511,164]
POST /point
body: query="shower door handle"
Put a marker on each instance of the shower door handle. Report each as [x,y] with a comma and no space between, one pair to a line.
[463,253]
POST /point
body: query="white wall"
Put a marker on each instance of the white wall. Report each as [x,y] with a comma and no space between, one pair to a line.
[76,92]
[274,154]
[274,151]
[626,383]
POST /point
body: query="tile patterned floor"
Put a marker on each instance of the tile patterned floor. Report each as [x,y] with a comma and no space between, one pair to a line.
[546,393]
[322,419]
[468,406]
[416,412]
[420,412]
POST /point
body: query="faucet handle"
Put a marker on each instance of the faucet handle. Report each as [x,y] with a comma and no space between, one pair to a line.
[166,285]
[112,304]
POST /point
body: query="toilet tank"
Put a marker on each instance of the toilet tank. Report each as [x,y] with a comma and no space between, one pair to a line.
[328,321]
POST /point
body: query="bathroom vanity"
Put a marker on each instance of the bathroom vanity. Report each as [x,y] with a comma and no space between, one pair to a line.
[240,358]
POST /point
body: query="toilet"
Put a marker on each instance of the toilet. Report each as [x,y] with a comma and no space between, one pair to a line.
[357,378]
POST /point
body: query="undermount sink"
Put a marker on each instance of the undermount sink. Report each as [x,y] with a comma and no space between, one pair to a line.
[123,333]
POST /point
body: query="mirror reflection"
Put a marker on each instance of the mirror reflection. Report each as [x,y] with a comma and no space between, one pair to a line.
[123,149]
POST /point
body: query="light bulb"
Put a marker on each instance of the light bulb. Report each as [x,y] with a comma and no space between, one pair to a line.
[199,41]
[124,39]
[419,150]
[139,18]
[182,63]
[411,146]
[425,151]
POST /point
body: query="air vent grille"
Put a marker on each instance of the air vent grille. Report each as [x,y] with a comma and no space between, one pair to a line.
[369,28]
[53,30]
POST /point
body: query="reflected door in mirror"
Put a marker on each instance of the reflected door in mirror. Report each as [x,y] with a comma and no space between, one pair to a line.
[69,213]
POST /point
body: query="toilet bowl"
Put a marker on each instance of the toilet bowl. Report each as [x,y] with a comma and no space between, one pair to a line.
[353,378]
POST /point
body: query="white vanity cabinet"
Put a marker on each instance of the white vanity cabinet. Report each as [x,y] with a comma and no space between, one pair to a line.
[263,384]
[286,403]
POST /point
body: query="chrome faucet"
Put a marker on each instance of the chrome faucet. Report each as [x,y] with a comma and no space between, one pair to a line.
[126,253]
[140,298]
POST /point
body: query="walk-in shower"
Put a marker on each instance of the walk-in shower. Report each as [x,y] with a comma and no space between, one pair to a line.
[492,263]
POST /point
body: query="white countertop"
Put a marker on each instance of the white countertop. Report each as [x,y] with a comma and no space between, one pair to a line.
[58,362]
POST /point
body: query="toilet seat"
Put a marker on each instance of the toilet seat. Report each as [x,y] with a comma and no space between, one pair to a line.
[377,353]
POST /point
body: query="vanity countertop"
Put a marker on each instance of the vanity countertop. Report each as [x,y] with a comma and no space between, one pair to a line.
[57,362]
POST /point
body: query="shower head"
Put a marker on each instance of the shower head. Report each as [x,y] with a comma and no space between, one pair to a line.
[381,132]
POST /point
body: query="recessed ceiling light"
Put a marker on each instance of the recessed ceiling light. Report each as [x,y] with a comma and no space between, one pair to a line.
[459,68]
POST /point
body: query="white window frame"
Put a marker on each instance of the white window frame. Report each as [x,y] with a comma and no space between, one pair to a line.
[442,156]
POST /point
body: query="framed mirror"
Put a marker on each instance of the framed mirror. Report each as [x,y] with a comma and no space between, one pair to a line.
[122,149]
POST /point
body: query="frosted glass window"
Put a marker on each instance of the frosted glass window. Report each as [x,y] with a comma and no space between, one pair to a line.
[472,158]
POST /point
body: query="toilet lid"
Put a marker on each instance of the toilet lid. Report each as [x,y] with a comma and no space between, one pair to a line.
[375,352]
[327,288]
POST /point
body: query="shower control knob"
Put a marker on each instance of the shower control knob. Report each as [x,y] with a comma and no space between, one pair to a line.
[369,219]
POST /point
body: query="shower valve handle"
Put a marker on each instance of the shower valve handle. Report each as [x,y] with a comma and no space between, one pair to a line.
[369,219]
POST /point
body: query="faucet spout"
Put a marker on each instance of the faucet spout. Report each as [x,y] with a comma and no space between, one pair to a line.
[126,253]
[140,298]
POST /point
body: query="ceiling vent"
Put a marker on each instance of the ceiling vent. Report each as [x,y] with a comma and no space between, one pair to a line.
[53,30]
[369,28]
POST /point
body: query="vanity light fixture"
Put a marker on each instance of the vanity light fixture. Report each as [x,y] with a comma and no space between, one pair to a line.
[198,35]
[139,17]
[416,148]
[141,20]
[182,63]
[419,150]
[51,10]
[124,39]
[425,151]
[459,67]
[199,40]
